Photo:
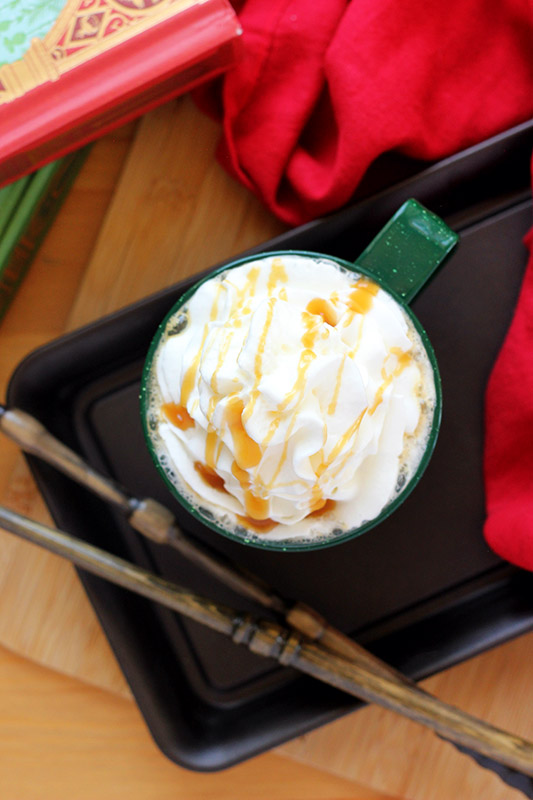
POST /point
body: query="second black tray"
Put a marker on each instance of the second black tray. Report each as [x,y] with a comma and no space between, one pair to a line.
[422,590]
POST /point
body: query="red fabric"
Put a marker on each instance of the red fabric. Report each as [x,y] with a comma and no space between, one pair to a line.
[324,87]
[509,436]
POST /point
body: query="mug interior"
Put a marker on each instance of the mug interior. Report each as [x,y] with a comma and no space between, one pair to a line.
[261,540]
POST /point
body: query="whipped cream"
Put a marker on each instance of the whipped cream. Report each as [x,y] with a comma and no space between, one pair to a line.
[291,398]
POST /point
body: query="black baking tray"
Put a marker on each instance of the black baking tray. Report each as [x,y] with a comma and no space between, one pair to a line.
[422,590]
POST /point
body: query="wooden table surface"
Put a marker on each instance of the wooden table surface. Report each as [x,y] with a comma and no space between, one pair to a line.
[150,207]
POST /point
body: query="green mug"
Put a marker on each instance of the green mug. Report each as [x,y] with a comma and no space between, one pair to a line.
[394,267]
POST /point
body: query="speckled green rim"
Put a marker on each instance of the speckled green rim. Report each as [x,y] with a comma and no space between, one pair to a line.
[261,541]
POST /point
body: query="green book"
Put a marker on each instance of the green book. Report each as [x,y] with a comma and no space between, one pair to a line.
[27,209]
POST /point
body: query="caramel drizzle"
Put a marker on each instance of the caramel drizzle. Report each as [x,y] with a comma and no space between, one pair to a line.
[223,352]
[339,446]
[360,302]
[248,453]
[245,291]
[361,298]
[317,501]
[189,379]
[211,442]
[323,308]
[404,359]
[306,358]
[283,456]
[278,274]
[209,475]
[256,507]
[258,525]
[178,416]
[323,507]
[338,379]
[258,361]
[312,325]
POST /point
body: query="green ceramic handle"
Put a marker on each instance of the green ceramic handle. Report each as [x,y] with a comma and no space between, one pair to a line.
[408,250]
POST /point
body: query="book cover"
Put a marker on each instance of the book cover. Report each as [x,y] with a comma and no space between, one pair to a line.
[100,64]
[27,209]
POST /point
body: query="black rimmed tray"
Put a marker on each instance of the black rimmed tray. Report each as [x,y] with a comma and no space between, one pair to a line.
[422,590]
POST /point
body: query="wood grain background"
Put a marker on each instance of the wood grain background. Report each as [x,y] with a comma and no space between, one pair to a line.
[150,207]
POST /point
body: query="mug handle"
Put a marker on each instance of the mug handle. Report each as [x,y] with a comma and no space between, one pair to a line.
[408,249]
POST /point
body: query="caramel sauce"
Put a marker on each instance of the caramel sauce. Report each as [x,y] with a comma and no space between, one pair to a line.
[378,399]
[258,525]
[312,329]
[214,307]
[323,308]
[257,508]
[338,380]
[211,441]
[242,294]
[316,459]
[306,359]
[359,337]
[340,466]
[249,286]
[341,444]
[404,359]
[361,298]
[223,352]
[177,415]
[251,280]
[277,275]
[272,428]
[210,476]
[189,378]
[247,452]
[250,405]
[323,508]
[317,499]
[258,361]
[212,405]
[283,456]
[241,475]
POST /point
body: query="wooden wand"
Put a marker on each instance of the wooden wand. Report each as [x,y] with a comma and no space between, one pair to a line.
[287,647]
[318,649]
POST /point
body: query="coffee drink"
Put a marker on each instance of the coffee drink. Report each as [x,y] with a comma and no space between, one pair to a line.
[289,399]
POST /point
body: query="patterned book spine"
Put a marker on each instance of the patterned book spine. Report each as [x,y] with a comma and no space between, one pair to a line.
[37,205]
[102,63]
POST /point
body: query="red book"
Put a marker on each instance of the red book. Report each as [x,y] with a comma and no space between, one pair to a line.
[103,63]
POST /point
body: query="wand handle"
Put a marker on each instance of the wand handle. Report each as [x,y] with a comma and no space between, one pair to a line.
[288,648]
[147,516]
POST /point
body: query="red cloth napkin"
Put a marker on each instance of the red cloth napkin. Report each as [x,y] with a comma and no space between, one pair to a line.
[324,87]
[509,435]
